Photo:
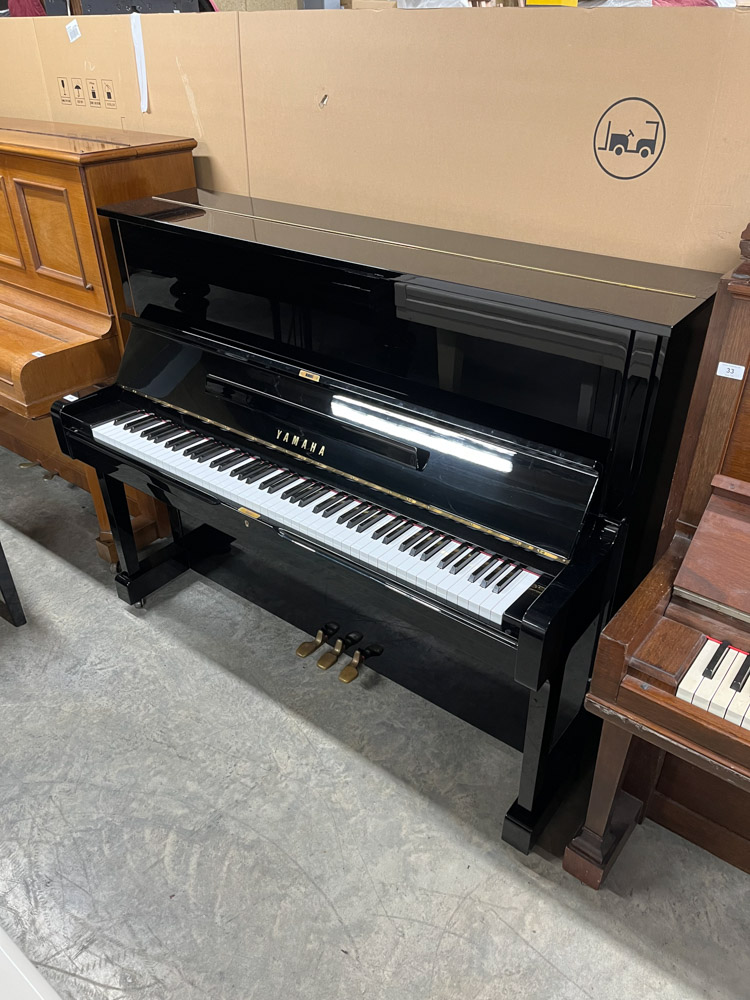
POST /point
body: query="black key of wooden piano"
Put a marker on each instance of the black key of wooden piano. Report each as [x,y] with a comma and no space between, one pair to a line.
[713,664]
[742,675]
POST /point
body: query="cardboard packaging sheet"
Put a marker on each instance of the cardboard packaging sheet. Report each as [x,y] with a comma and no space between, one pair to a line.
[617,131]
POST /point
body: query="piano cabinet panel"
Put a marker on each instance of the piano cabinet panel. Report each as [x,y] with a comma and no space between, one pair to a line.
[10,247]
[52,220]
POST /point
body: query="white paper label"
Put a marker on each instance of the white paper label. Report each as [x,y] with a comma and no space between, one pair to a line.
[38,354]
[730,371]
[74,32]
[71,398]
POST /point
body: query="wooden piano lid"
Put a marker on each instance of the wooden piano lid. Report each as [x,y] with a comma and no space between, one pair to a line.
[81,143]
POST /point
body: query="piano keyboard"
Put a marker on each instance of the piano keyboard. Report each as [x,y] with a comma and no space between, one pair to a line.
[438,565]
[717,681]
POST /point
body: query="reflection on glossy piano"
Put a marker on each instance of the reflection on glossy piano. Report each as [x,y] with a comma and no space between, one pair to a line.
[671,680]
[59,314]
[458,446]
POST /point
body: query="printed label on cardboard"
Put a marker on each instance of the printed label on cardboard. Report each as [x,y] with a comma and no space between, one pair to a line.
[108,93]
[74,32]
[79,94]
[94,92]
[629,138]
[64,89]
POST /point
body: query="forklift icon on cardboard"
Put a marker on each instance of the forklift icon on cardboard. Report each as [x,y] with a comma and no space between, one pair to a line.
[619,142]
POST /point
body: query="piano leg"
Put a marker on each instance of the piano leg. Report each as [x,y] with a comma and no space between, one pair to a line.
[549,765]
[612,813]
[10,603]
[138,578]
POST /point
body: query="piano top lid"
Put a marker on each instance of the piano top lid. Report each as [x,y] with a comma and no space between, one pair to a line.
[81,143]
[652,296]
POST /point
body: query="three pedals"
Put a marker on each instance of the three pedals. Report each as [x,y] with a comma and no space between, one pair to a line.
[350,671]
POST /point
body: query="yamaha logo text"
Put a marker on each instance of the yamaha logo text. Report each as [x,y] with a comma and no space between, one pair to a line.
[300,441]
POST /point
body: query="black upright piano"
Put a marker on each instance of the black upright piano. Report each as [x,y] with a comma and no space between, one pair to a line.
[458,447]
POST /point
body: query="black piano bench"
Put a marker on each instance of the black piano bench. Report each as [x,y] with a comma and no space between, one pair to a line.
[10,604]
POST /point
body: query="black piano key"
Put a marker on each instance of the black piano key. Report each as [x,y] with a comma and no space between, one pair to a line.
[397,532]
[352,512]
[130,415]
[485,567]
[371,521]
[312,491]
[423,544]
[328,502]
[713,664]
[362,516]
[140,423]
[466,560]
[200,449]
[312,497]
[285,476]
[418,535]
[292,491]
[240,470]
[332,509]
[436,547]
[502,567]
[196,446]
[227,461]
[178,443]
[502,584]
[164,433]
[218,449]
[742,675]
[254,474]
[280,483]
[455,554]
[389,525]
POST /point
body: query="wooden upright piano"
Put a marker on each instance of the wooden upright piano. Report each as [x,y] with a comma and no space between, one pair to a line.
[59,328]
[671,680]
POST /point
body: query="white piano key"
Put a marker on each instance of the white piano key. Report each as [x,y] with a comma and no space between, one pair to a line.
[710,685]
[724,694]
[737,710]
[694,674]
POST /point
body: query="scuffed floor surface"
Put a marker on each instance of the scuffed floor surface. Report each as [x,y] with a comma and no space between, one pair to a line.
[186,813]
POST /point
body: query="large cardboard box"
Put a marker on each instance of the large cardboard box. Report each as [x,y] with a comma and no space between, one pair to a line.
[489,120]
[615,131]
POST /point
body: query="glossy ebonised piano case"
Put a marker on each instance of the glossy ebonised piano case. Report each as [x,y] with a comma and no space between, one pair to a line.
[518,406]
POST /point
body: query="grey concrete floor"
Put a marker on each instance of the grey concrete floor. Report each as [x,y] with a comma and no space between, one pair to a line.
[186,813]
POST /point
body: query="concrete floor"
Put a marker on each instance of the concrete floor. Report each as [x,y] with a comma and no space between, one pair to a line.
[186,813]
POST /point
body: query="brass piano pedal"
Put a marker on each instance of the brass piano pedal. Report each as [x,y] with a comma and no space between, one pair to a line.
[324,634]
[49,475]
[341,645]
[350,672]
[28,465]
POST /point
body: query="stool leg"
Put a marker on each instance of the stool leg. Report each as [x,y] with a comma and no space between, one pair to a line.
[10,607]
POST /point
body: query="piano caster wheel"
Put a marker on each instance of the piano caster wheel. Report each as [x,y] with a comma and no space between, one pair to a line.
[350,672]
[140,604]
[328,659]
[324,634]
[114,568]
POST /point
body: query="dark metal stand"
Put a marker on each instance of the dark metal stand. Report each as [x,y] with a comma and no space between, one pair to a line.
[10,604]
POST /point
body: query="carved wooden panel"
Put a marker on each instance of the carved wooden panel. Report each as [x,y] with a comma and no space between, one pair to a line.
[10,251]
[50,230]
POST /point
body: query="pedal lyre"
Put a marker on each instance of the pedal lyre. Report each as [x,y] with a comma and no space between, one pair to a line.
[324,634]
[340,646]
[350,672]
